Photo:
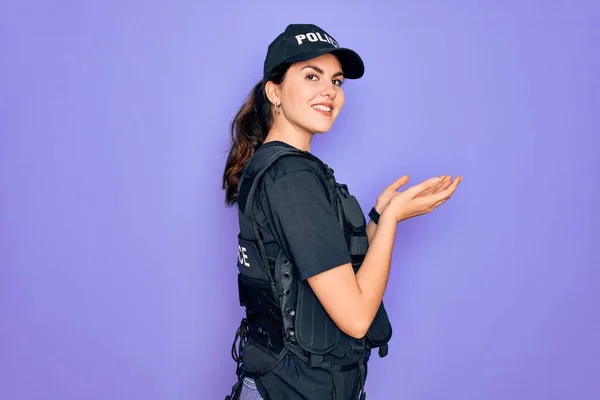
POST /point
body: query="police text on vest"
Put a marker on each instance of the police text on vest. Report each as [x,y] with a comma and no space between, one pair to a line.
[242,256]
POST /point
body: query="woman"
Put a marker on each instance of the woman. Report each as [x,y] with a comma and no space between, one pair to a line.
[312,273]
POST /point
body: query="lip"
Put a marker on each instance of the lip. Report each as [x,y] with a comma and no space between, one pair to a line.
[324,113]
[330,105]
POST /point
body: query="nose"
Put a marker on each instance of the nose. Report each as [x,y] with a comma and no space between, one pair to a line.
[330,90]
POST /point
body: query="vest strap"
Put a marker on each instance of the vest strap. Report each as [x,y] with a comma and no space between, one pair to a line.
[339,386]
[383,350]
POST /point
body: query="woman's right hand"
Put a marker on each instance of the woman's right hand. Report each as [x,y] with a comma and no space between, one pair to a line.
[422,198]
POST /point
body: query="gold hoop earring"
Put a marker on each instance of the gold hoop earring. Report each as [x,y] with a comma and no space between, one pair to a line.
[277,109]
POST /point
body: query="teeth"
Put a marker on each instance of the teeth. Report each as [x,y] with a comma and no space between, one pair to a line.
[321,107]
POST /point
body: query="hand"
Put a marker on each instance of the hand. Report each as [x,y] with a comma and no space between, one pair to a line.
[422,198]
[445,181]
[392,190]
[389,193]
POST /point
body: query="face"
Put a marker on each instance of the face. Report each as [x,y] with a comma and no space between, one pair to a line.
[311,95]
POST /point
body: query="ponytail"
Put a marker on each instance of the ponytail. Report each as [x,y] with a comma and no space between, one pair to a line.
[248,131]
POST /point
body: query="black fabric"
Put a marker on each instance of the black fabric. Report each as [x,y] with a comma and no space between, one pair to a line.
[301,42]
[295,210]
[292,379]
[295,194]
[315,329]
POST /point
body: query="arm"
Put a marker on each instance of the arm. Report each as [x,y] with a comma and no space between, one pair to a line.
[371,229]
[353,300]
[382,200]
[306,225]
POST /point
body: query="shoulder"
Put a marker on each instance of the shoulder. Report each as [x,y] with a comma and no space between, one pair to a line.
[295,166]
[290,164]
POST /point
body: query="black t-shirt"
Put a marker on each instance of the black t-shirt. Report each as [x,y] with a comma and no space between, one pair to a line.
[294,193]
[296,212]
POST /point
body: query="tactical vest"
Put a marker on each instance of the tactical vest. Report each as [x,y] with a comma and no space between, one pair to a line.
[282,312]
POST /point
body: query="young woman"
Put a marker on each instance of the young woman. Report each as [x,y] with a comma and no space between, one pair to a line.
[312,272]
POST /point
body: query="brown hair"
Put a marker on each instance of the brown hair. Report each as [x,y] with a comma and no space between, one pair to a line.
[248,131]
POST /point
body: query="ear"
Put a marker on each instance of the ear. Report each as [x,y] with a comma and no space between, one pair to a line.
[272,92]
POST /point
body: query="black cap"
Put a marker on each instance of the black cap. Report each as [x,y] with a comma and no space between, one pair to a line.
[301,42]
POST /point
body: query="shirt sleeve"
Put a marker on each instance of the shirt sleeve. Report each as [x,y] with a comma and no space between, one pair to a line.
[306,223]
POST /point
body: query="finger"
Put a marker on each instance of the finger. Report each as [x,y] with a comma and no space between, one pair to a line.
[444,184]
[421,187]
[443,181]
[440,186]
[446,193]
[398,183]
[429,205]
[447,197]
[432,188]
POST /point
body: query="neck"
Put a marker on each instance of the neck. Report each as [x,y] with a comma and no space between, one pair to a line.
[284,131]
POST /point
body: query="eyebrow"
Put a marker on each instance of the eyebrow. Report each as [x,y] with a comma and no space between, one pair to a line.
[319,70]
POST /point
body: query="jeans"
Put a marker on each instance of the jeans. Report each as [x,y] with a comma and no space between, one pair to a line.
[249,391]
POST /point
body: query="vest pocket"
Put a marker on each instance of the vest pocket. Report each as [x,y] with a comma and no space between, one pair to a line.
[353,213]
[256,359]
[380,330]
[315,331]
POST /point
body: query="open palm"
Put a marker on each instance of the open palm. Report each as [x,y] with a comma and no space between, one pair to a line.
[392,190]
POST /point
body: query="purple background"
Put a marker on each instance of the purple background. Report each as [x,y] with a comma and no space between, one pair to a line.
[117,256]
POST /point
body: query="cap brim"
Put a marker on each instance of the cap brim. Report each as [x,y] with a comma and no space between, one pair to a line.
[352,65]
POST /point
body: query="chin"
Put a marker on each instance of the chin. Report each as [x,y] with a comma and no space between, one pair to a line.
[321,128]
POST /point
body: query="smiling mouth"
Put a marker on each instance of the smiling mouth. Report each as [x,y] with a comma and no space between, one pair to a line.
[325,110]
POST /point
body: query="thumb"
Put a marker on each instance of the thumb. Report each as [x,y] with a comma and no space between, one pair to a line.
[399,182]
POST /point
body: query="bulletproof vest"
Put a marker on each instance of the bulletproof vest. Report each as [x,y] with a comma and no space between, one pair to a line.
[282,312]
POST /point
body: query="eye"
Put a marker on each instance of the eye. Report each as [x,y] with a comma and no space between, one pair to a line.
[313,77]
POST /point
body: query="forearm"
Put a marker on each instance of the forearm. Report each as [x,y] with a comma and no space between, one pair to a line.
[372,277]
[371,229]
